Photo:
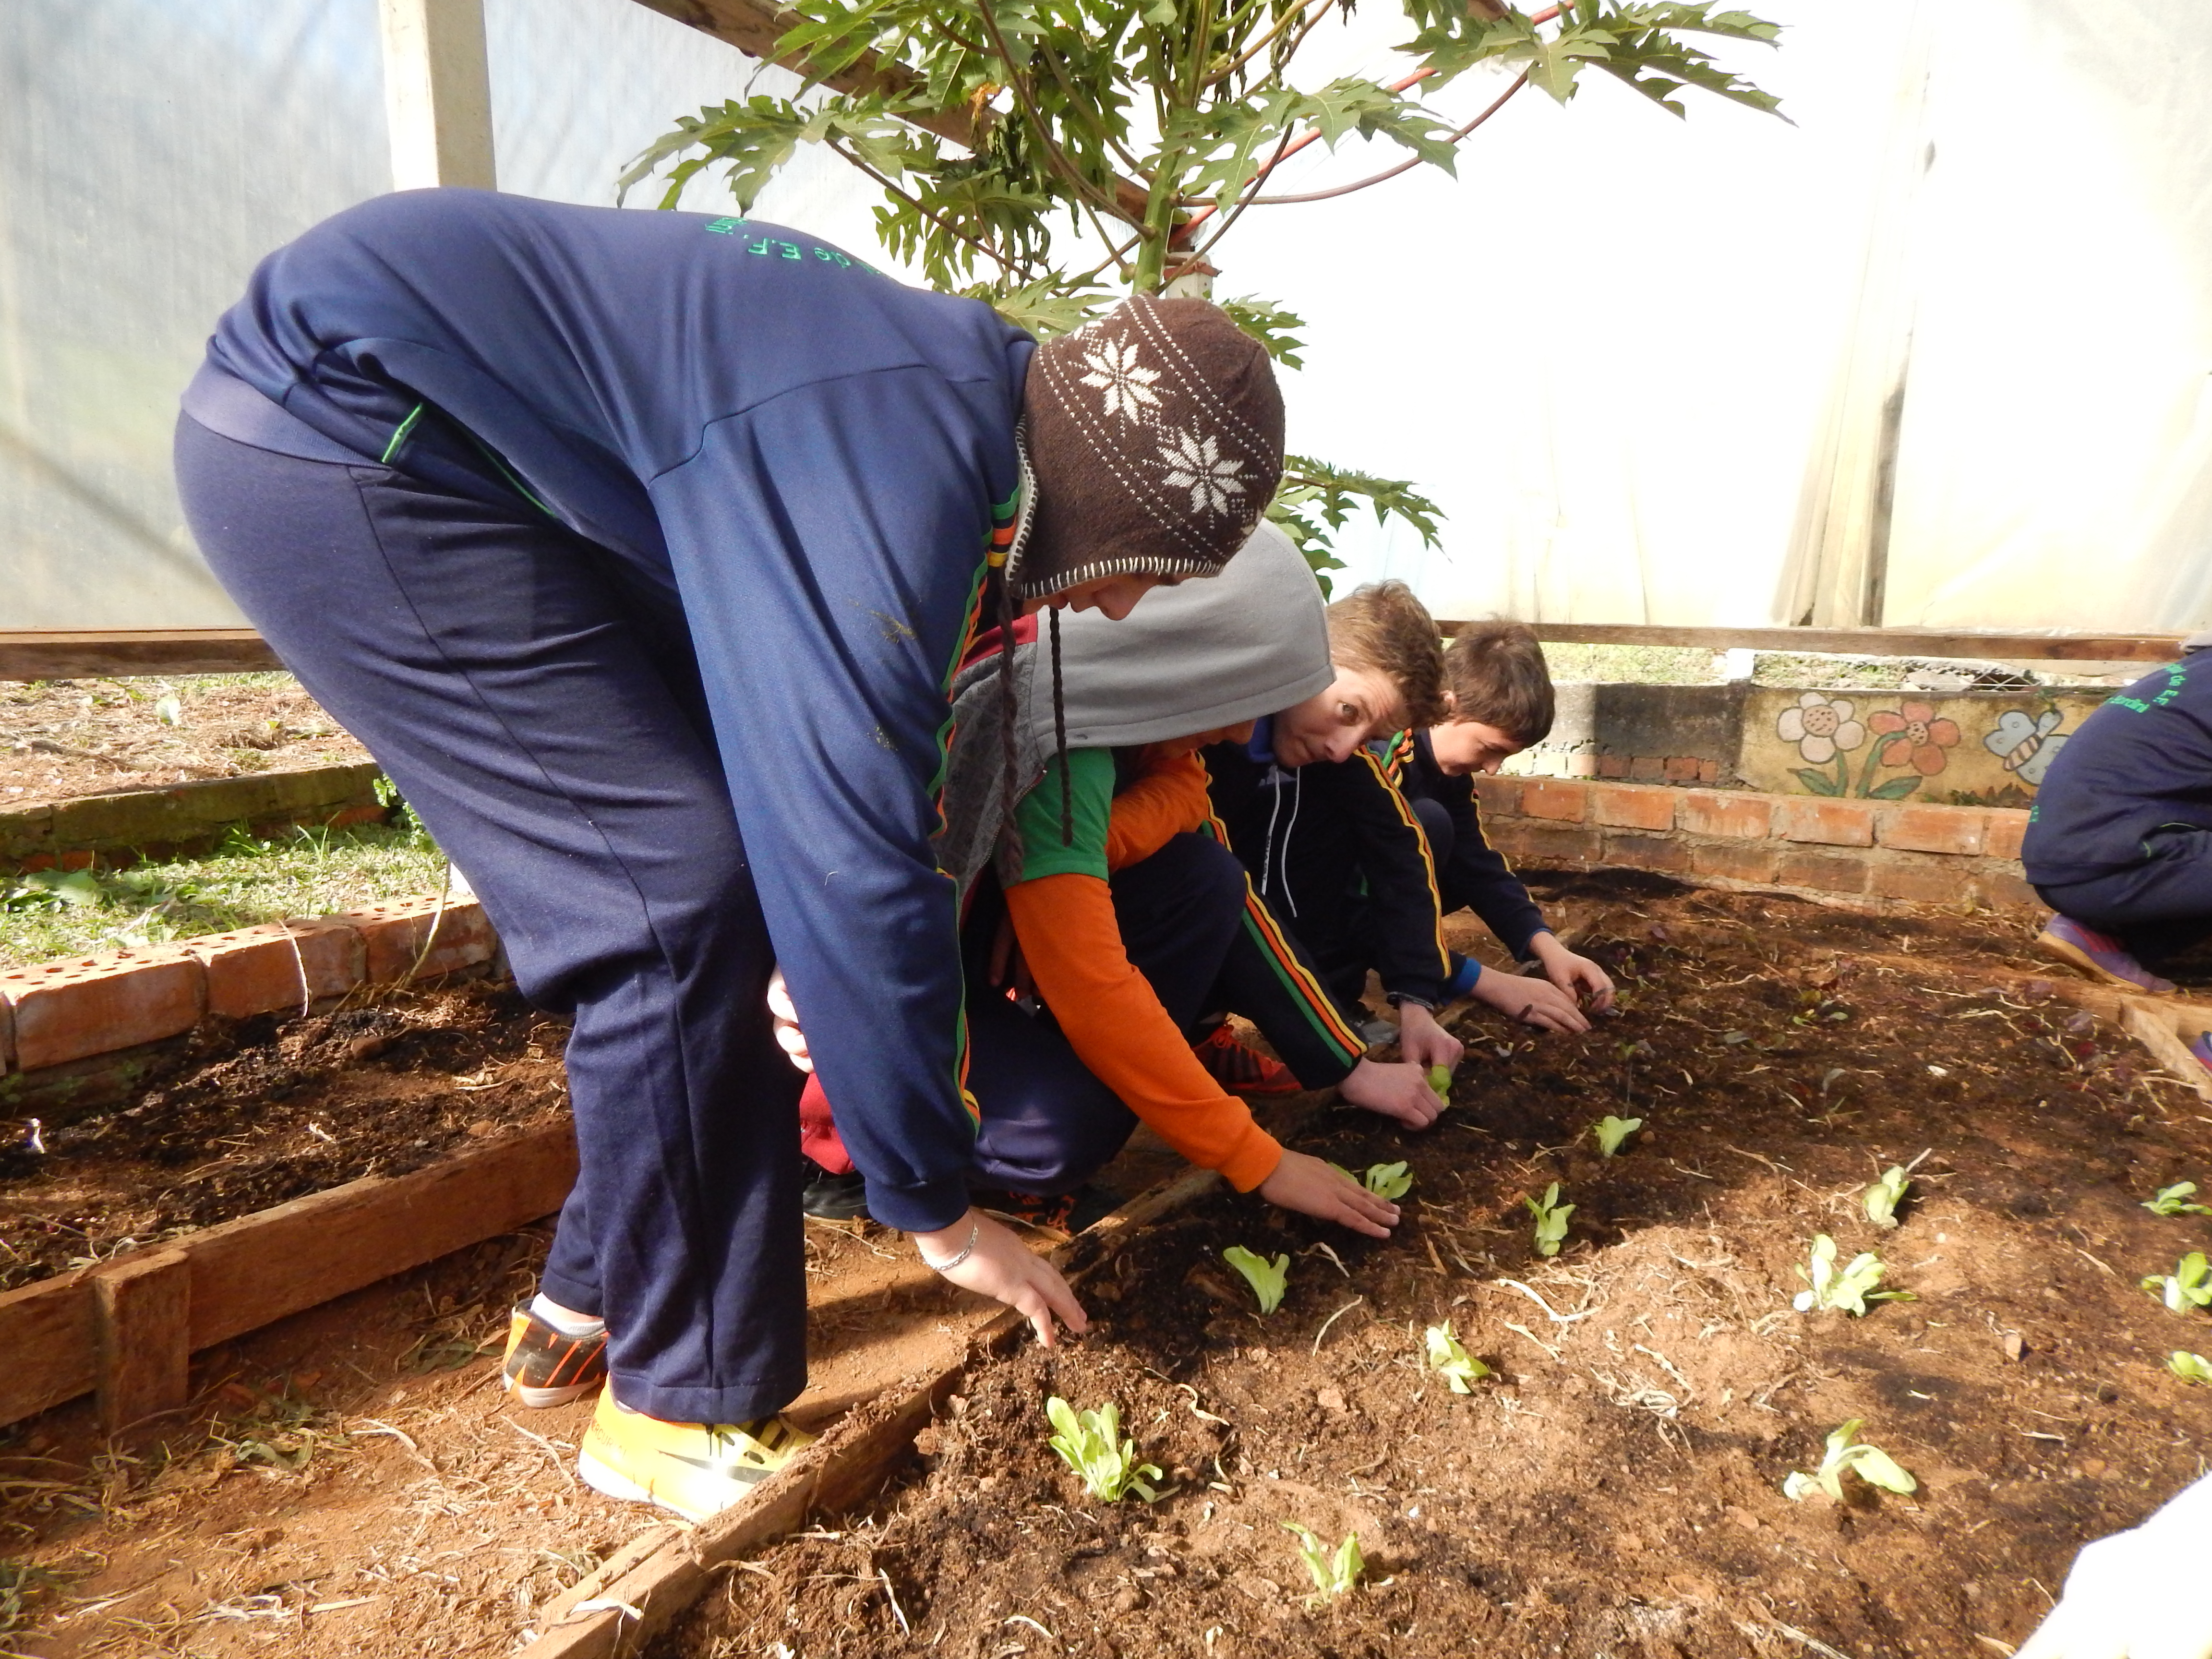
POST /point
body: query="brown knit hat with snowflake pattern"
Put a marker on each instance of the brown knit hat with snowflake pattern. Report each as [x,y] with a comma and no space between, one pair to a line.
[1154,440]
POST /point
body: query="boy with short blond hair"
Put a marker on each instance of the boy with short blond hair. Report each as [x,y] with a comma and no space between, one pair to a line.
[1331,846]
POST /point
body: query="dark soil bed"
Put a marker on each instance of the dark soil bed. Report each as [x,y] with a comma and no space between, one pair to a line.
[262,1110]
[1615,1487]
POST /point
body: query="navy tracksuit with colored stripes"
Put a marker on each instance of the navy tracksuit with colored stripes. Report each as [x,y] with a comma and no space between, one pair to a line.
[639,548]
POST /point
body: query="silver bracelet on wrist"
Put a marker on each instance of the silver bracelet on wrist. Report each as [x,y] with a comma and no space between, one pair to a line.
[975,1232]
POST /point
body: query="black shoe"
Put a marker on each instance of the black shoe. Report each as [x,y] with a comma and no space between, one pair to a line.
[833,1197]
[1066,1213]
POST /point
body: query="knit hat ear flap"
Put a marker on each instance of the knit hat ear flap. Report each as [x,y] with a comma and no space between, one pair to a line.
[1156,437]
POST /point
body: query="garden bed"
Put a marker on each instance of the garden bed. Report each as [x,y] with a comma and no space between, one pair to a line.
[256,1112]
[1615,1486]
[92,737]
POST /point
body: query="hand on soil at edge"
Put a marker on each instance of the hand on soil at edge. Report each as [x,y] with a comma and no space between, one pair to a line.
[1534,1001]
[1313,1186]
[1424,1042]
[1578,976]
[1395,1089]
[788,1037]
[1006,1270]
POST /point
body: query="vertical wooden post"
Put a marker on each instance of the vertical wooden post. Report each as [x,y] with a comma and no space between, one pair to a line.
[437,93]
[144,1313]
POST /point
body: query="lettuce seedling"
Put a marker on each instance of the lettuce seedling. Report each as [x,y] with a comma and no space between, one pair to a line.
[1882,1198]
[1874,1466]
[1450,1361]
[1266,1278]
[2185,1287]
[1333,1574]
[1388,1180]
[1091,1443]
[1440,1080]
[1611,1131]
[2175,1200]
[1850,1288]
[1550,1220]
[2189,1367]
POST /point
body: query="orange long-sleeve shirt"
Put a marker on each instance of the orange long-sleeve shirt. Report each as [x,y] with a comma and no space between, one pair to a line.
[1064,924]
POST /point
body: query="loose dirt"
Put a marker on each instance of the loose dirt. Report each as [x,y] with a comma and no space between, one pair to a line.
[1615,1486]
[262,1110]
[353,1482]
[63,739]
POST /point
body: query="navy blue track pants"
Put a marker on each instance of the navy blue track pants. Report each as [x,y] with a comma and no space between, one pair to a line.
[2157,908]
[1048,1124]
[535,697]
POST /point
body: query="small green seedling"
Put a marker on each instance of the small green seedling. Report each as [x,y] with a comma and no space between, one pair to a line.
[1388,1180]
[1335,1574]
[1874,1466]
[2185,1287]
[1882,1198]
[1611,1131]
[2189,1367]
[2175,1200]
[1440,1080]
[1266,1278]
[1850,1288]
[1091,1443]
[1450,1361]
[1550,1219]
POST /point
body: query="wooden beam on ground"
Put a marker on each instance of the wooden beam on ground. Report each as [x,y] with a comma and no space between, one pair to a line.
[640,1593]
[1870,641]
[125,1326]
[104,653]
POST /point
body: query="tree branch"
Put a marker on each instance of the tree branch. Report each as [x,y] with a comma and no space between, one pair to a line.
[1406,166]
[1054,158]
[916,204]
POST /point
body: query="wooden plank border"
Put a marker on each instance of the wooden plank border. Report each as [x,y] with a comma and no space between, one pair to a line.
[79,1333]
[55,654]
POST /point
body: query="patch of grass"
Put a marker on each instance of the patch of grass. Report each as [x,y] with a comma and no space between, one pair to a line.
[1632,664]
[247,879]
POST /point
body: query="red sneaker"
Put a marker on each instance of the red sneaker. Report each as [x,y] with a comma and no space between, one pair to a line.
[1240,1070]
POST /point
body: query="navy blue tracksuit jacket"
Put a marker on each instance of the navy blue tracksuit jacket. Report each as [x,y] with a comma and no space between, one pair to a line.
[582,518]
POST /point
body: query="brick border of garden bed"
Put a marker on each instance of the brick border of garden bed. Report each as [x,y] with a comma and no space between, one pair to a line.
[132,825]
[57,1016]
[1872,854]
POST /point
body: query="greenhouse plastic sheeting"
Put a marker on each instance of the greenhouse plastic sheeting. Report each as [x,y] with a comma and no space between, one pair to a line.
[152,151]
[1935,354]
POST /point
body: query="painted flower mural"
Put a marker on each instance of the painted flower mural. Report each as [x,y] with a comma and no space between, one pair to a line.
[1820,726]
[1914,734]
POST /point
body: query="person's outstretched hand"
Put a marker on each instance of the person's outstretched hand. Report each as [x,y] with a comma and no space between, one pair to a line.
[1006,1270]
[1578,976]
[1424,1042]
[1396,1088]
[785,1017]
[1315,1188]
[2137,1594]
[1534,1001]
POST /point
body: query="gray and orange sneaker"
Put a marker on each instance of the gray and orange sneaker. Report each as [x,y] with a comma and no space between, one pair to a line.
[546,1366]
[1240,1070]
[695,1469]
[2098,954]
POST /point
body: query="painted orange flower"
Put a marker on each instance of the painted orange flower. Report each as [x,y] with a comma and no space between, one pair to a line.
[1913,734]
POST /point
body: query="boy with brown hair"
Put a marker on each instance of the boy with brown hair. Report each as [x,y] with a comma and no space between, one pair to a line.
[1498,701]
[1333,847]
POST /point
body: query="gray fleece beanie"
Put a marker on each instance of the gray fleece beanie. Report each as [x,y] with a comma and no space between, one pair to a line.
[1215,651]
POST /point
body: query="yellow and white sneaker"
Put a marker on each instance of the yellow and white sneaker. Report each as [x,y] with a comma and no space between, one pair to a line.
[696,1469]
